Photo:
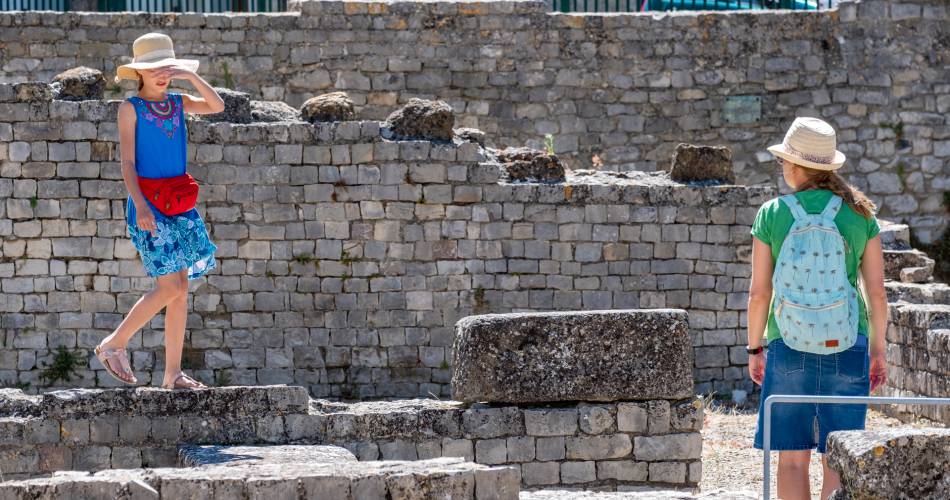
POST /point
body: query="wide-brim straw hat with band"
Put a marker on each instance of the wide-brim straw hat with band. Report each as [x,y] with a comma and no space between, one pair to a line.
[152,50]
[811,143]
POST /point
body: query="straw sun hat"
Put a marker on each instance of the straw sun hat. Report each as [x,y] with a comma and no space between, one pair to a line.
[152,50]
[810,142]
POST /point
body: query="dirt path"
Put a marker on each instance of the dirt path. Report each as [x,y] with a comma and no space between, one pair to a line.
[731,463]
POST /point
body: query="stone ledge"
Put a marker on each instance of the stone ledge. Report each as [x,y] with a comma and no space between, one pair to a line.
[558,356]
[240,456]
[892,463]
[154,402]
[435,478]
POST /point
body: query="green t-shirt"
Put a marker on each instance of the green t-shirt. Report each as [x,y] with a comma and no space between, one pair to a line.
[774,219]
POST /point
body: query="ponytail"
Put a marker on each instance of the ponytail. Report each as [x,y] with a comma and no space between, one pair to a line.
[830,180]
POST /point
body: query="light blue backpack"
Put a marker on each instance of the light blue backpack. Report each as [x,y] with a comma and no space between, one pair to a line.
[816,308]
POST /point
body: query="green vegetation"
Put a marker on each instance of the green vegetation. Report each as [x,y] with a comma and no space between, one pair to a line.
[221,378]
[481,305]
[228,77]
[64,366]
[902,175]
[33,202]
[303,258]
[549,143]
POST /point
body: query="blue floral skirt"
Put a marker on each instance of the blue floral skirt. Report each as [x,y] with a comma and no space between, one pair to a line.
[179,242]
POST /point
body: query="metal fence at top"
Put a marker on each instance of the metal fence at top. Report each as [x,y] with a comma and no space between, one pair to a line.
[672,5]
[153,5]
[60,5]
[193,5]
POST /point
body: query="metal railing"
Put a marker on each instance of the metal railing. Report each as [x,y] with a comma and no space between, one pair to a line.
[669,5]
[850,400]
[153,5]
[60,5]
[192,5]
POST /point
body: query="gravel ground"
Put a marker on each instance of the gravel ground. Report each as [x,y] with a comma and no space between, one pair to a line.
[731,463]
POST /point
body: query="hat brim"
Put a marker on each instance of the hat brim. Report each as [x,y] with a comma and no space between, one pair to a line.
[836,163]
[127,71]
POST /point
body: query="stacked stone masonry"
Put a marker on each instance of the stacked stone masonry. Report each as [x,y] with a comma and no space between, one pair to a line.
[621,90]
[601,446]
[345,259]
[918,359]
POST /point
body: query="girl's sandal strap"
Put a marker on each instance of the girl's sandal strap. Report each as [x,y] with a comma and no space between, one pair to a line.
[174,385]
[104,355]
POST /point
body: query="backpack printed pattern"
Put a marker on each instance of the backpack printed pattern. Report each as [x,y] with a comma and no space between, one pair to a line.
[816,308]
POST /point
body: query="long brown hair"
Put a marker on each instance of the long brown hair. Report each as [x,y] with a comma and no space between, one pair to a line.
[830,180]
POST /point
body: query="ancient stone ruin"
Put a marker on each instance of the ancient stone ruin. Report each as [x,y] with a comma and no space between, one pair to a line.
[267,440]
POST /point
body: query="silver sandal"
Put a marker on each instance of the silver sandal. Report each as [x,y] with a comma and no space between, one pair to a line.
[104,355]
[174,385]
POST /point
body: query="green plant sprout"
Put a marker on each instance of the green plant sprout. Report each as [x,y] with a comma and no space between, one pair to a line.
[63,367]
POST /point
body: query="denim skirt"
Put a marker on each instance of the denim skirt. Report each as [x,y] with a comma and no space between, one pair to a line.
[805,426]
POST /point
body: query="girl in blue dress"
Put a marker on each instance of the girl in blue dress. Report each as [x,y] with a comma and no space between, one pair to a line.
[174,248]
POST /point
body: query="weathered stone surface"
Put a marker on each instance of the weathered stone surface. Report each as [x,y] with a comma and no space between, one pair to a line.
[32,92]
[149,402]
[526,164]
[892,463]
[908,266]
[237,107]
[332,107]
[702,163]
[78,84]
[471,134]
[434,478]
[239,456]
[422,119]
[273,111]
[645,493]
[542,357]
[378,420]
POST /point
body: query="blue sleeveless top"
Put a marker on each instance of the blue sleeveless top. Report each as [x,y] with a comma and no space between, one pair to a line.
[161,141]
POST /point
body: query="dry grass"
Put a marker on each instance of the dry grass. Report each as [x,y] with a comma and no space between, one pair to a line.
[731,463]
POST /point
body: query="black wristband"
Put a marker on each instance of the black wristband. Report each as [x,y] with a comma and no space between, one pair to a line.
[755,350]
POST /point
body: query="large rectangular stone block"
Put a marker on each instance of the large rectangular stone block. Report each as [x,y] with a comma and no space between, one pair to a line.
[573,356]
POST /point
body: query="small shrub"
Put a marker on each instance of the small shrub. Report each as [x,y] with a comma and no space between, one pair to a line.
[549,143]
[303,258]
[63,367]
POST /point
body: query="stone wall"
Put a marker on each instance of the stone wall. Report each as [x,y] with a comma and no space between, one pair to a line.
[617,90]
[601,446]
[918,358]
[344,258]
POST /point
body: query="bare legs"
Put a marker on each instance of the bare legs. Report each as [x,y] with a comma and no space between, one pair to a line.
[830,479]
[170,293]
[793,481]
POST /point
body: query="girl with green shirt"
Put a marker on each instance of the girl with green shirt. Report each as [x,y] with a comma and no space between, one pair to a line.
[809,159]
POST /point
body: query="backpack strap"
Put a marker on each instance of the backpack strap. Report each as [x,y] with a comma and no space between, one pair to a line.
[831,209]
[798,211]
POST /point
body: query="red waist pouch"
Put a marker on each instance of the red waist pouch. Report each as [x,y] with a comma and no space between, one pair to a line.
[171,195]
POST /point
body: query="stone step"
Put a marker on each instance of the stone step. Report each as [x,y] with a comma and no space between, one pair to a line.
[250,401]
[892,462]
[344,480]
[894,235]
[639,494]
[908,266]
[917,293]
[237,456]
[920,317]
[559,356]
